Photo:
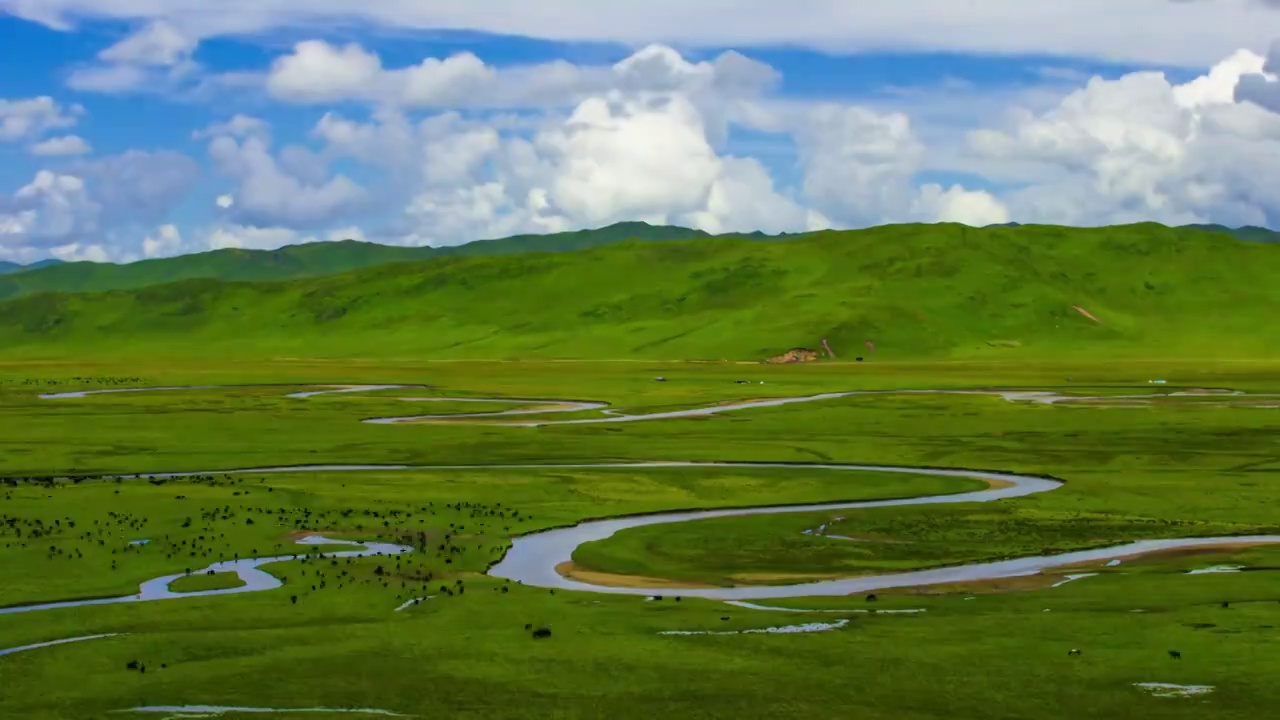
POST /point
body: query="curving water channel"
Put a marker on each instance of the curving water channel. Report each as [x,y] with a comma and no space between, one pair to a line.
[545,406]
[248,569]
[534,559]
[175,711]
[51,643]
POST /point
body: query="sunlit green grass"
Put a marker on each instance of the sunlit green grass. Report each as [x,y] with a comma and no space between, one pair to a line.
[917,292]
[202,581]
[1175,469]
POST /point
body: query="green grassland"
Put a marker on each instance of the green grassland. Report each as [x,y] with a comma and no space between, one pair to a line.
[248,515]
[918,292]
[726,551]
[1170,469]
[947,308]
[325,258]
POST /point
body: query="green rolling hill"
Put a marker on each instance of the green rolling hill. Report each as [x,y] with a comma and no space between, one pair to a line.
[329,258]
[298,261]
[916,291]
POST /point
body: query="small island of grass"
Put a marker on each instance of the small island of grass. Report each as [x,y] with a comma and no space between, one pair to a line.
[198,582]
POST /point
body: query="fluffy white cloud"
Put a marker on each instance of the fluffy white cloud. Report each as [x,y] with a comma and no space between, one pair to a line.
[624,159]
[613,158]
[1133,148]
[77,252]
[75,213]
[108,78]
[151,59]
[165,242]
[1261,85]
[60,146]
[158,43]
[138,186]
[743,199]
[238,126]
[858,163]
[1141,148]
[649,149]
[29,118]
[317,72]
[269,195]
[252,237]
[556,146]
[50,208]
[390,141]
[955,204]
[1145,31]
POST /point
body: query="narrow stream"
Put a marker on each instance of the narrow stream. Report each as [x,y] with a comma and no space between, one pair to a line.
[248,569]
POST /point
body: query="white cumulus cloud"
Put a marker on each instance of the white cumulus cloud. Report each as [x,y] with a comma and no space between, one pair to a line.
[157,43]
[252,237]
[268,195]
[858,163]
[449,149]
[61,146]
[317,72]
[1192,33]
[165,242]
[238,126]
[151,59]
[75,212]
[955,204]
[614,157]
[1142,148]
[28,118]
[50,208]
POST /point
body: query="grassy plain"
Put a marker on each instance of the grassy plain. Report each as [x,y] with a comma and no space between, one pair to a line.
[1172,469]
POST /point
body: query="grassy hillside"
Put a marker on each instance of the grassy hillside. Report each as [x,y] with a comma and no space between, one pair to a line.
[916,291]
[298,261]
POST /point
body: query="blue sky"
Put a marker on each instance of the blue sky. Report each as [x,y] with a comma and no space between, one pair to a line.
[117,140]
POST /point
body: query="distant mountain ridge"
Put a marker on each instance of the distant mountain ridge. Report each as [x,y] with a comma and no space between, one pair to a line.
[1251,233]
[306,260]
[7,267]
[329,258]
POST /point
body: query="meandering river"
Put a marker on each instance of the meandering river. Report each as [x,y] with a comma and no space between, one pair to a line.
[533,559]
